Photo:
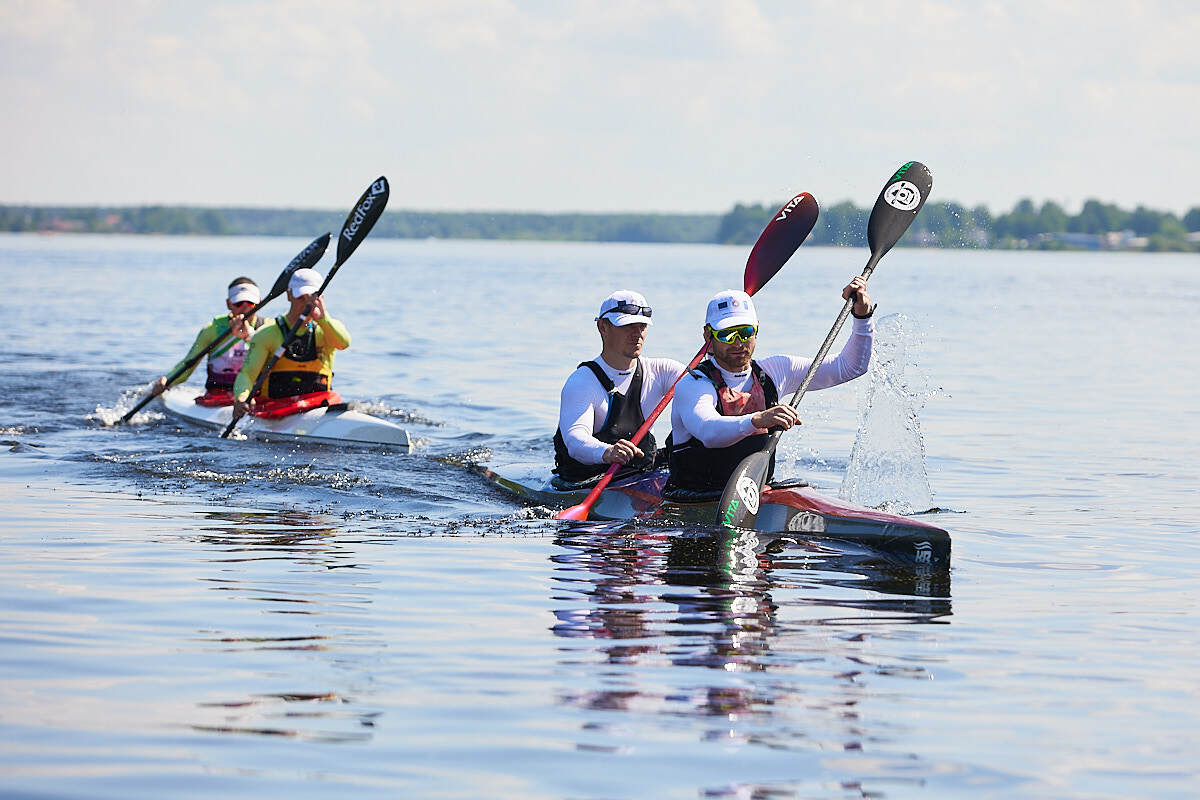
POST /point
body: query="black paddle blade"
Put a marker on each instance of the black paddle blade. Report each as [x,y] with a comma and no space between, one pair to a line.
[902,197]
[305,259]
[364,216]
[739,502]
[786,231]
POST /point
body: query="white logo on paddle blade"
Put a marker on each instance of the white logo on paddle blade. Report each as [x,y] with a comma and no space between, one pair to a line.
[903,195]
[747,489]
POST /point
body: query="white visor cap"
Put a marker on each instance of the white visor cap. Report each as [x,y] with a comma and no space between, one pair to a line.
[244,293]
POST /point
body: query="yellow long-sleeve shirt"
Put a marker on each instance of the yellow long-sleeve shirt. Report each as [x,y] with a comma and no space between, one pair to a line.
[331,336]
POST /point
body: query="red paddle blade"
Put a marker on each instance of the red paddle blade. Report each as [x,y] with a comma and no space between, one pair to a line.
[578,513]
[786,231]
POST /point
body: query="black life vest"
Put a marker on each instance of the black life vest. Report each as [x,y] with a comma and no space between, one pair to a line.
[623,419]
[299,370]
[697,468]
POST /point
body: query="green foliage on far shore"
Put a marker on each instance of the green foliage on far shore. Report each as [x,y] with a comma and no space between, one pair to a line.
[1097,226]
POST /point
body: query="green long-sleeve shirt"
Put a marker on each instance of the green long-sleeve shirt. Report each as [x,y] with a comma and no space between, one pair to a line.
[214,330]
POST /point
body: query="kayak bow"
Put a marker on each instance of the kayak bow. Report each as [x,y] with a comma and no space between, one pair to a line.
[326,424]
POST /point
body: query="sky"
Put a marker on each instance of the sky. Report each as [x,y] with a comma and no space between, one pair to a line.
[597,105]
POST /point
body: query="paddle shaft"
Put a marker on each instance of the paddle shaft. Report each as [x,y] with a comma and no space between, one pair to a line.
[900,200]
[361,219]
[291,336]
[732,509]
[782,236]
[833,332]
[305,258]
[642,430]
[192,362]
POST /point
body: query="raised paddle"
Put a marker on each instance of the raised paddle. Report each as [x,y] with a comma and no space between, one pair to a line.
[786,231]
[304,259]
[358,224]
[897,205]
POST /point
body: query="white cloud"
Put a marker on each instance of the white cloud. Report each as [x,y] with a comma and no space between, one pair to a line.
[596,105]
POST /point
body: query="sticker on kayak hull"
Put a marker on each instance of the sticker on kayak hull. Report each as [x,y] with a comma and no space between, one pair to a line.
[806,522]
[903,195]
[924,552]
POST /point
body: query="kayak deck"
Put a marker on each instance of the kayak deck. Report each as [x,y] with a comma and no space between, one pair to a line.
[796,509]
[326,424]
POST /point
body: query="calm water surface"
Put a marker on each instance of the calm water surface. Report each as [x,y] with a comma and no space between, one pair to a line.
[185,617]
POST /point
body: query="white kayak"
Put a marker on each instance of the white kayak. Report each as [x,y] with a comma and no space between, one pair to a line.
[326,424]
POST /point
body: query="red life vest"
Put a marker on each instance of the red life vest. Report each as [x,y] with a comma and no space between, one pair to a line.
[697,468]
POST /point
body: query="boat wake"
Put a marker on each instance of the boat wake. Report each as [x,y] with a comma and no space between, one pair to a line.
[378,408]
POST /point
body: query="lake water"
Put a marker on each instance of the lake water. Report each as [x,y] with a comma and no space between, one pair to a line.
[188,617]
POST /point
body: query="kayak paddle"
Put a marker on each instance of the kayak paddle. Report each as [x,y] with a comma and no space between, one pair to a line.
[897,205]
[305,259]
[358,224]
[786,231]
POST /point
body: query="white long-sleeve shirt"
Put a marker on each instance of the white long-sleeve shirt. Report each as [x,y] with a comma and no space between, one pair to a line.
[695,414]
[583,404]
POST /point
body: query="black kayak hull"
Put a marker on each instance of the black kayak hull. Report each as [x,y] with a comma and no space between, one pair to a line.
[799,510]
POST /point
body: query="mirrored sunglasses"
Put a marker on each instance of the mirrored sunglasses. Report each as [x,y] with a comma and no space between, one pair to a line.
[734,333]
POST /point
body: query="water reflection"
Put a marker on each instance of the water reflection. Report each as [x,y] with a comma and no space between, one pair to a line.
[301,623]
[790,634]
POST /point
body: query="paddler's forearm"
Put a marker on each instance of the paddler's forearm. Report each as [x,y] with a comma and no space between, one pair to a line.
[334,333]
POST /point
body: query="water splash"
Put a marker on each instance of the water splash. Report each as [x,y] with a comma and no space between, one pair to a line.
[887,466]
[108,416]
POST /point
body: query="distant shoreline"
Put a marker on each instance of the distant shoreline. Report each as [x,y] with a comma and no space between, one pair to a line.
[1097,227]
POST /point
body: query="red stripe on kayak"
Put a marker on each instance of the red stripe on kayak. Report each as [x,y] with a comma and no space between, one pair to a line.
[806,499]
[286,406]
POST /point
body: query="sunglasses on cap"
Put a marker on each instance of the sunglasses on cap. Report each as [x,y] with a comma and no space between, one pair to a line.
[734,333]
[628,308]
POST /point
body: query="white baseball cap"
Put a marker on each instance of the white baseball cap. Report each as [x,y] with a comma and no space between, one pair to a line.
[244,293]
[728,308]
[624,307]
[304,281]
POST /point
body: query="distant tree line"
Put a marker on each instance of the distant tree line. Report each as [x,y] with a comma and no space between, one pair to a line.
[1097,225]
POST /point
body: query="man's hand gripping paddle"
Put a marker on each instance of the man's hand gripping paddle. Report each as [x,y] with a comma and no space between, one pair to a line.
[303,260]
[358,224]
[786,231]
[897,205]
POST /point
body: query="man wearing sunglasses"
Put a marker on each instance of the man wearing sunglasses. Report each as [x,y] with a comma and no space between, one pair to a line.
[605,400]
[723,412]
[225,361]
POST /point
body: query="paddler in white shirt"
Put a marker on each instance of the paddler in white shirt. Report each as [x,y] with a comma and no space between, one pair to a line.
[307,365]
[605,400]
[723,412]
[226,360]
